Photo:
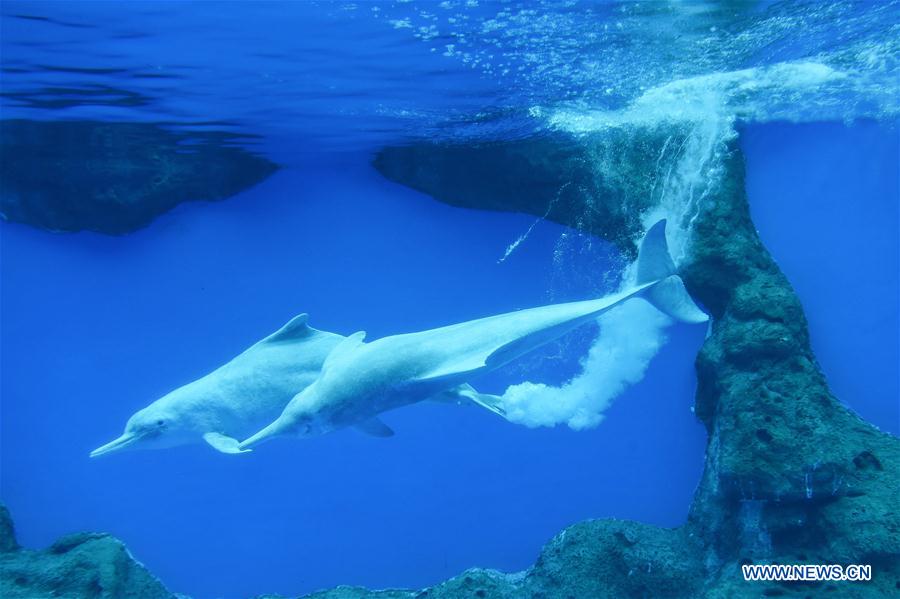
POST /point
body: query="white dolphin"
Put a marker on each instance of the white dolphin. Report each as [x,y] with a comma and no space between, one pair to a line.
[235,399]
[361,380]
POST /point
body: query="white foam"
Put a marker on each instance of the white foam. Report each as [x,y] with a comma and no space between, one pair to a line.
[630,336]
[755,94]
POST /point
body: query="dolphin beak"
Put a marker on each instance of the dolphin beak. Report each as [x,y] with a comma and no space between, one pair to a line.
[115,445]
[273,430]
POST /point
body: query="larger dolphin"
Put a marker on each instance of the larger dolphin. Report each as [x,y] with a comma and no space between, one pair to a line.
[361,380]
[235,399]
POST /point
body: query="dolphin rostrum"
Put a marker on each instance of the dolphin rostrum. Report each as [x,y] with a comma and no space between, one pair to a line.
[360,380]
[235,399]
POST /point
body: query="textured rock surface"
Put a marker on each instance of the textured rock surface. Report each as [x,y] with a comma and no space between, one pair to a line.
[552,176]
[83,566]
[791,475]
[114,177]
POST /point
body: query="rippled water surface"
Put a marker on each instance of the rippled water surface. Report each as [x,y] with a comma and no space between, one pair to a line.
[357,74]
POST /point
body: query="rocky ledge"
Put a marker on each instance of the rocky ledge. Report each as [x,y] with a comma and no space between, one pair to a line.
[84,565]
[115,177]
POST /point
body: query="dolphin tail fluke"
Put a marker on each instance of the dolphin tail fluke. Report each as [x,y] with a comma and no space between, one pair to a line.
[669,294]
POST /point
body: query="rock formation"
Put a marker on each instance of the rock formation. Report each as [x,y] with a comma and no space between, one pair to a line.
[791,475]
[114,177]
[550,176]
[84,565]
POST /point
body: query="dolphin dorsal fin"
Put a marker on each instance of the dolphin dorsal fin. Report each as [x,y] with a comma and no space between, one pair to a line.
[344,348]
[295,328]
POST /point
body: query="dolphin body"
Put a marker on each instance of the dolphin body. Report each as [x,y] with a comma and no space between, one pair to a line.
[235,399]
[360,380]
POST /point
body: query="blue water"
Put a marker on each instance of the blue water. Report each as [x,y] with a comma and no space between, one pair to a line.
[94,327]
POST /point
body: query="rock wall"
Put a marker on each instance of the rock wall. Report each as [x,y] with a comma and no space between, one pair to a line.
[82,566]
[551,176]
[115,177]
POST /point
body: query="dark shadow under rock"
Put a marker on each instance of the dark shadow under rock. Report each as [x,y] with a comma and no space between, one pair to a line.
[115,177]
[84,565]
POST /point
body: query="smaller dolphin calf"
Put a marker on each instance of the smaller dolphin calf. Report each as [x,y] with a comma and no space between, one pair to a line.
[235,399]
[360,380]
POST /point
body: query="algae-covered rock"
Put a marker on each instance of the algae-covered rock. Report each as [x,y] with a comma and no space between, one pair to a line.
[114,177]
[83,566]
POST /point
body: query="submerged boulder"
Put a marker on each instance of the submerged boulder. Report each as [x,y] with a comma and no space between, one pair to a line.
[83,565]
[115,177]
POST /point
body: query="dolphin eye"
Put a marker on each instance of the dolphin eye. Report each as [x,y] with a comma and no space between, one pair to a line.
[160,423]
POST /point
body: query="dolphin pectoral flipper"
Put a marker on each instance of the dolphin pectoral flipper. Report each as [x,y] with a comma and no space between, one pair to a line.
[466,394]
[224,443]
[375,427]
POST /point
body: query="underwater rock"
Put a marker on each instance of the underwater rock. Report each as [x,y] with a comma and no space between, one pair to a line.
[791,475]
[115,177]
[600,559]
[7,531]
[552,176]
[825,481]
[83,565]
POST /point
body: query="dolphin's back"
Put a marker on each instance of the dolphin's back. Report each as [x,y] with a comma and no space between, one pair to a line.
[252,388]
[491,342]
[487,343]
